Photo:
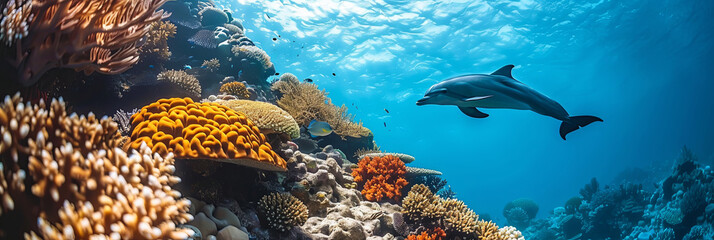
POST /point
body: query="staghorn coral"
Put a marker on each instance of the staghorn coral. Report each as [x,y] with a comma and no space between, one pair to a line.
[204,131]
[86,35]
[282,211]
[212,65]
[431,234]
[156,40]
[305,102]
[458,217]
[16,17]
[380,177]
[421,204]
[183,81]
[267,117]
[235,88]
[86,185]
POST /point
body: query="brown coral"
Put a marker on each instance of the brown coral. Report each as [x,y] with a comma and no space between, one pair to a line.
[305,102]
[16,17]
[235,88]
[253,54]
[86,186]
[282,211]
[267,117]
[86,35]
[380,177]
[183,81]
[156,39]
[212,65]
[202,131]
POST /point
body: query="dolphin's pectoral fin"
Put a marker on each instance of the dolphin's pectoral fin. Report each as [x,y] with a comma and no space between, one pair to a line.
[473,112]
[477,98]
[504,71]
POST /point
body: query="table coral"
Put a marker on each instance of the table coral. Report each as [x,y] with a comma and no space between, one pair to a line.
[86,185]
[203,131]
[381,177]
[267,117]
[86,35]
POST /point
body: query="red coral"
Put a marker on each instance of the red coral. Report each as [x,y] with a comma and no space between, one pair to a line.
[431,234]
[381,177]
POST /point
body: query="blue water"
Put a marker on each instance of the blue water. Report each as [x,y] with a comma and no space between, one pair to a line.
[642,66]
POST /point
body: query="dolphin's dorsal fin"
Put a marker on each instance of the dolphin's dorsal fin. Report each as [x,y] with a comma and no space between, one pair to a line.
[504,71]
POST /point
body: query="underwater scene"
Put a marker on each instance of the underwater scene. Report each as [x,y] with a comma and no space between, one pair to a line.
[371,119]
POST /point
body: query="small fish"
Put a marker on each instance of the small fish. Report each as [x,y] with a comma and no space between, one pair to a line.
[385,124]
[307,80]
[275,39]
[356,108]
[278,35]
[333,74]
[277,73]
[267,16]
[151,66]
[319,129]
[386,110]
[190,57]
[186,66]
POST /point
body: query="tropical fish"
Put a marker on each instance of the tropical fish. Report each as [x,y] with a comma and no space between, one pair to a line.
[186,66]
[386,110]
[319,129]
[385,124]
[500,90]
[310,80]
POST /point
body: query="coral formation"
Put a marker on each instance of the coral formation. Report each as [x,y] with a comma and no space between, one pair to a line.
[86,35]
[182,81]
[380,177]
[123,120]
[212,65]
[254,63]
[16,17]
[86,185]
[406,158]
[416,172]
[430,234]
[282,211]
[218,221]
[305,102]
[267,117]
[236,89]
[520,212]
[202,130]
[156,40]
[211,16]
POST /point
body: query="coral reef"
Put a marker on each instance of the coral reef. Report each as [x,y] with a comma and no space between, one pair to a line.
[380,177]
[219,221]
[202,130]
[305,102]
[87,187]
[237,89]
[282,211]
[254,63]
[15,21]
[677,209]
[520,212]
[211,16]
[123,120]
[212,64]
[416,172]
[430,234]
[406,158]
[156,44]
[182,81]
[270,119]
[86,35]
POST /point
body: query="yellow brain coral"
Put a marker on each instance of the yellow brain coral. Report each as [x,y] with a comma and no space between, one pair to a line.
[268,117]
[203,130]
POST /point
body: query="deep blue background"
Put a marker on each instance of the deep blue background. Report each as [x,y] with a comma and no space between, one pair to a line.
[642,66]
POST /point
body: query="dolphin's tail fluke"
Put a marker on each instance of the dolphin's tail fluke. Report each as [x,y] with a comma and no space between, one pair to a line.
[575,122]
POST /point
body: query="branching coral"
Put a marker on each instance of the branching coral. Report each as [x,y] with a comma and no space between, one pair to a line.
[202,130]
[235,88]
[86,185]
[156,39]
[86,35]
[16,17]
[305,102]
[182,81]
[380,177]
[267,117]
[212,65]
[282,211]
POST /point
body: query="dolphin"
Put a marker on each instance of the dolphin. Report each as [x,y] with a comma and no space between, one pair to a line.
[500,90]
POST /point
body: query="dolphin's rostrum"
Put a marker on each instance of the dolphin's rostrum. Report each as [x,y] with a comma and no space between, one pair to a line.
[499,90]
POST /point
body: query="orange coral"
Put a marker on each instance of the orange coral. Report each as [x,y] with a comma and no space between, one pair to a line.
[203,130]
[87,35]
[380,177]
[235,88]
[431,234]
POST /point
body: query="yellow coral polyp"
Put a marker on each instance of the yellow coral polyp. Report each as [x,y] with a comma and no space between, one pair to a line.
[202,130]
